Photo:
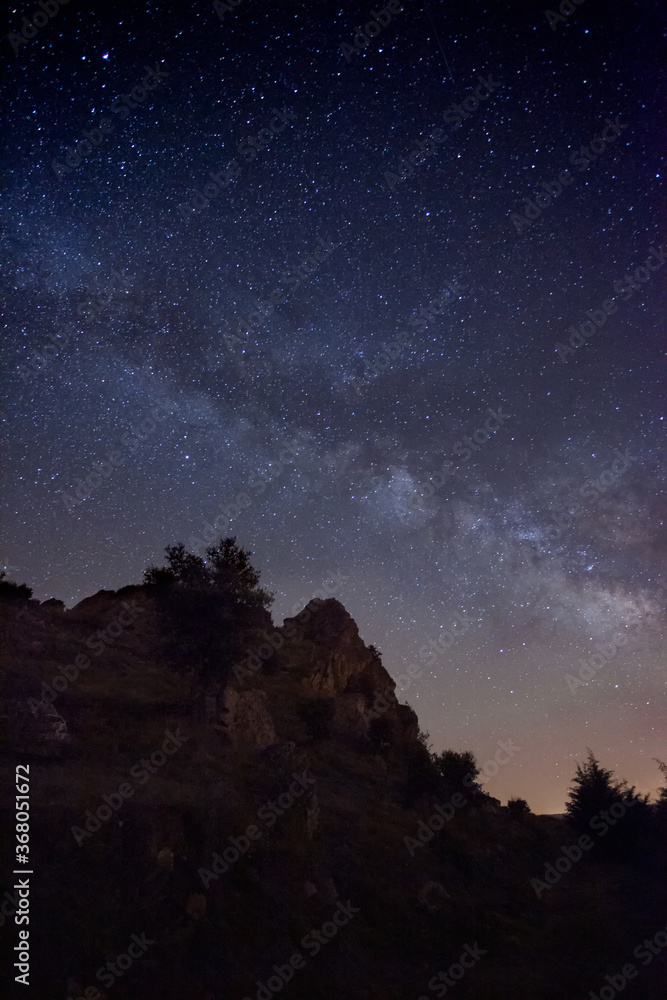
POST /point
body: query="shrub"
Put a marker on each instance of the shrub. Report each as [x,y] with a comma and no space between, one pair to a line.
[518,808]
[10,591]
[423,778]
[454,766]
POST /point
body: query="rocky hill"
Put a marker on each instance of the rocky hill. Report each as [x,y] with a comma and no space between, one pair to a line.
[276,829]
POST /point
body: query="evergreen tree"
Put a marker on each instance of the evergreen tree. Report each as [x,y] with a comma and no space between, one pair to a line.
[662,797]
[593,789]
[594,805]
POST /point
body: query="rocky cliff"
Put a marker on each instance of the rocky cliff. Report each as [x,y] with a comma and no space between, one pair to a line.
[272,830]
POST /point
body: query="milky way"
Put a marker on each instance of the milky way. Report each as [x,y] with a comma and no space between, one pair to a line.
[419,259]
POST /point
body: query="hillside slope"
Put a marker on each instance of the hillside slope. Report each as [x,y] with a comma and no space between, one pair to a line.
[261,836]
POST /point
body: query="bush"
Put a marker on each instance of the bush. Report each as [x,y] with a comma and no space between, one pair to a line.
[455,766]
[518,808]
[423,778]
[10,591]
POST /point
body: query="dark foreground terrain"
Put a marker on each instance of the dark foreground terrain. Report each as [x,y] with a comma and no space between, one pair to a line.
[281,830]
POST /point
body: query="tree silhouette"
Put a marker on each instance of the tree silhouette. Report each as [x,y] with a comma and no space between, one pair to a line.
[231,573]
[200,601]
[593,789]
[597,802]
[518,808]
[458,769]
[227,570]
[662,798]
[660,818]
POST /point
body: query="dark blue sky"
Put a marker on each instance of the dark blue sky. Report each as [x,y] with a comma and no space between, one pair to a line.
[146,309]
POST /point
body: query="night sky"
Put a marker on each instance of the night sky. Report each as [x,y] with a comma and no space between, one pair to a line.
[141,276]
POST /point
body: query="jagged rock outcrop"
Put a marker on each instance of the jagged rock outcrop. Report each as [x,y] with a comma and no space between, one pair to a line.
[340,660]
[298,793]
[331,660]
[245,718]
[408,722]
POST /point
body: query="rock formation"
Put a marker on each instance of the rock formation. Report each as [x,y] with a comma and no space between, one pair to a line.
[277,807]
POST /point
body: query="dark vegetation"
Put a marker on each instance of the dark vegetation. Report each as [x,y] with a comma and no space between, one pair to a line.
[10,591]
[204,604]
[372,790]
